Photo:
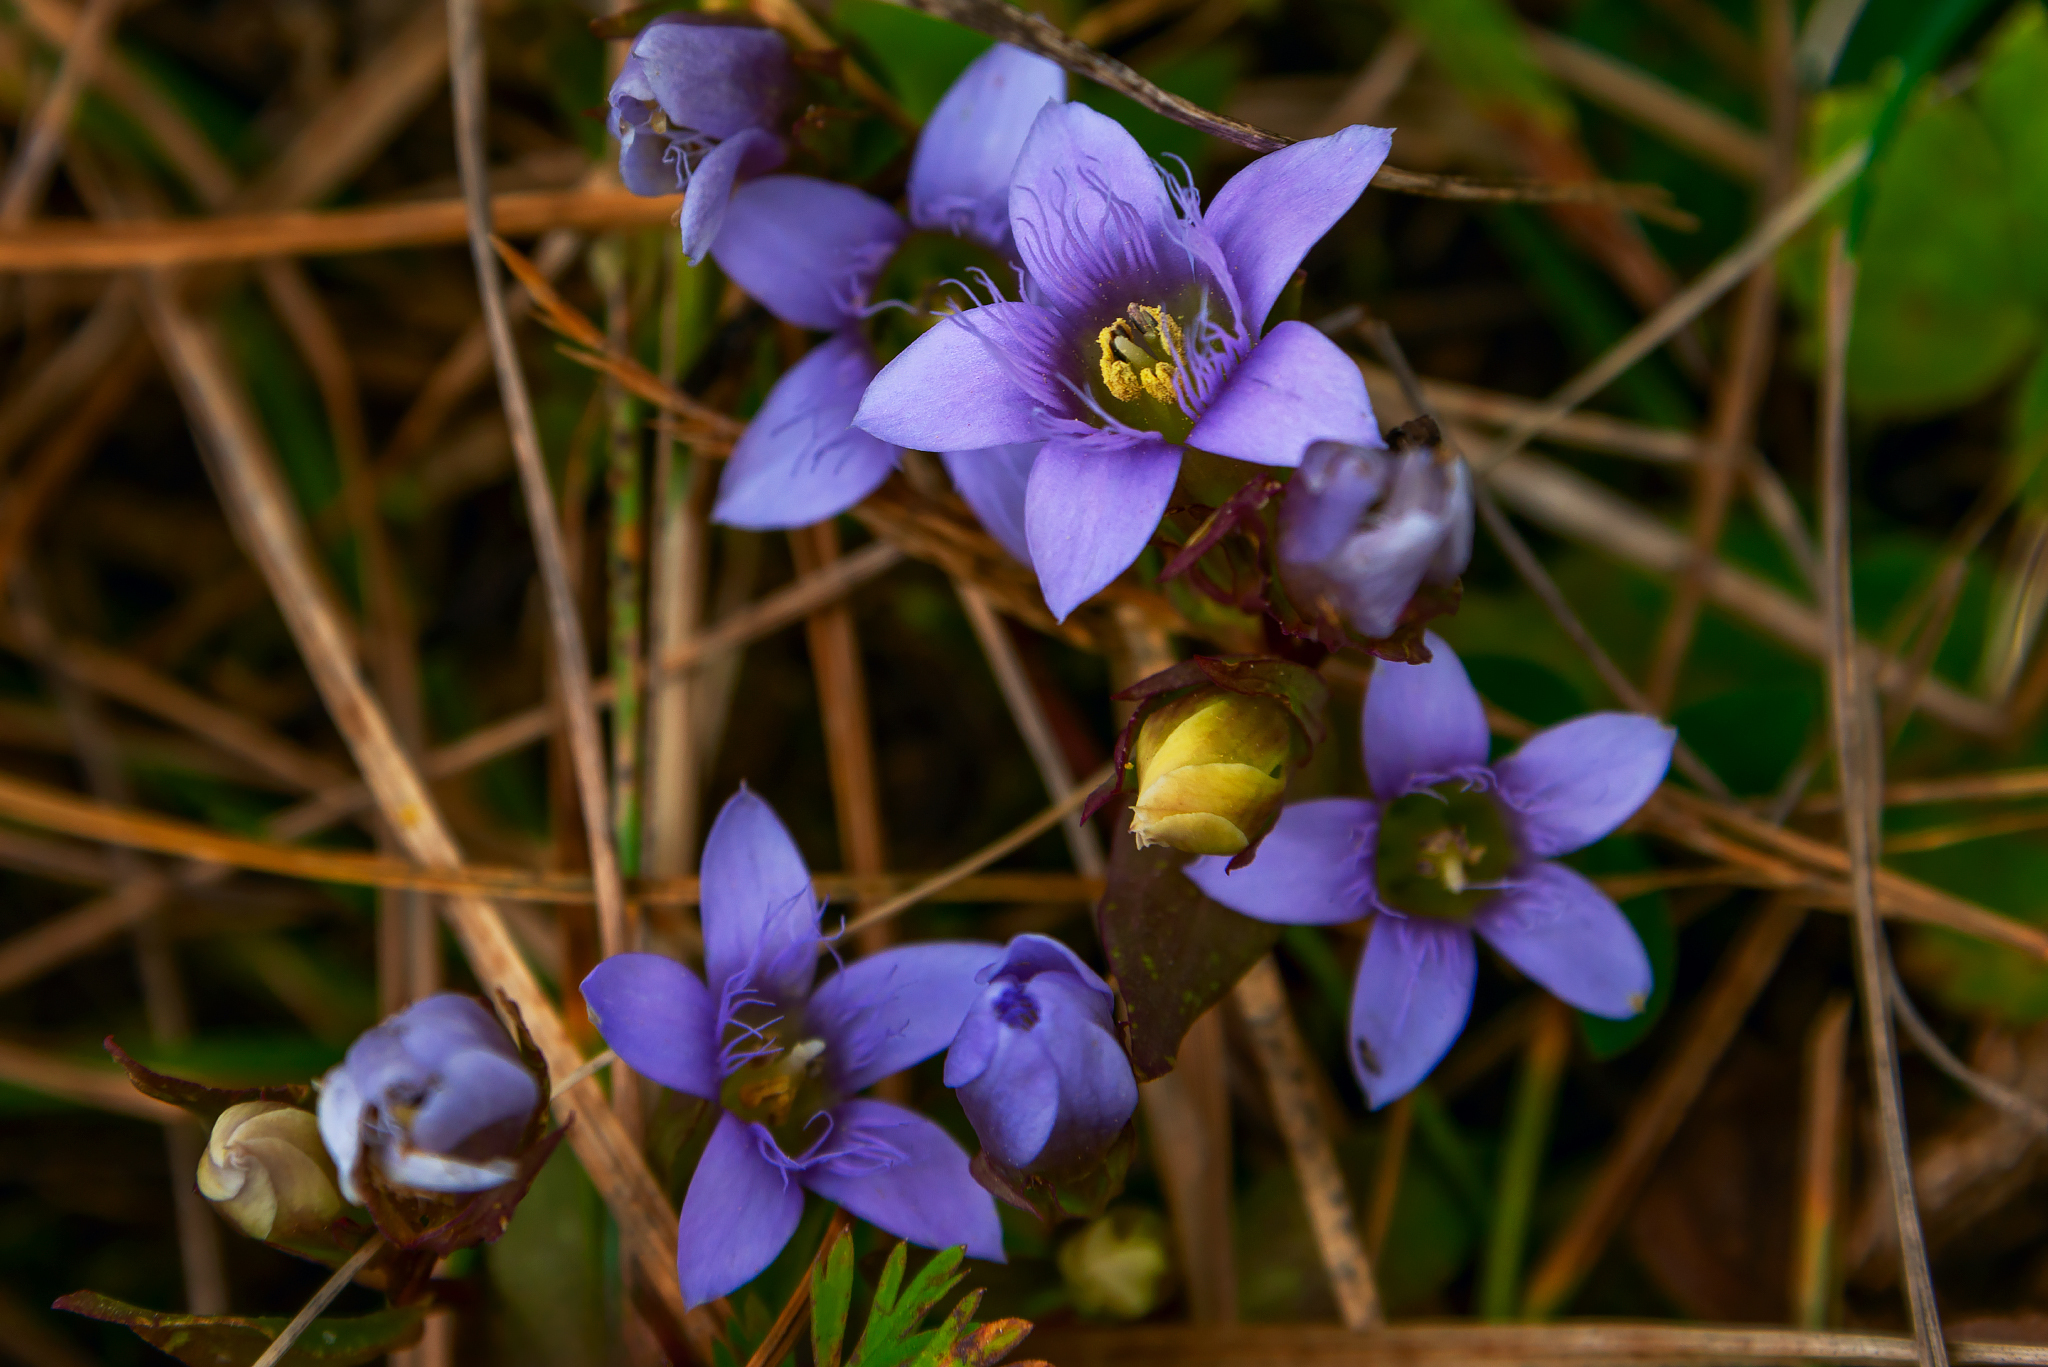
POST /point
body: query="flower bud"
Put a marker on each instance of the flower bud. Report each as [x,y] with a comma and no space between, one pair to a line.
[436,1097]
[265,1170]
[1037,1065]
[1211,770]
[1362,529]
[1116,1267]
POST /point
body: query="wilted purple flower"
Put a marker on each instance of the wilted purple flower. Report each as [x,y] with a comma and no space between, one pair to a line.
[1362,528]
[785,1062]
[819,254]
[436,1097]
[1449,846]
[1138,333]
[695,107]
[1036,1063]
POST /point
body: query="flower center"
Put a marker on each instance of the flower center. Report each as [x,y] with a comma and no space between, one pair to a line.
[782,1088]
[932,273]
[1441,851]
[1141,361]
[1015,1009]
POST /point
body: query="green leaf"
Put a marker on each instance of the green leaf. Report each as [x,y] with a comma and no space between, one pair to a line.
[891,1336]
[832,1301]
[938,1347]
[918,56]
[237,1340]
[1479,45]
[1534,692]
[2009,94]
[1650,916]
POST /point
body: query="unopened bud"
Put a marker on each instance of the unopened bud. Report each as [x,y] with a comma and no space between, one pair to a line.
[266,1170]
[1211,771]
[1116,1267]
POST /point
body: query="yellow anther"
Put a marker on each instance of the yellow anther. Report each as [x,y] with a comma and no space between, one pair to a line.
[1158,382]
[1448,857]
[1117,376]
[1140,355]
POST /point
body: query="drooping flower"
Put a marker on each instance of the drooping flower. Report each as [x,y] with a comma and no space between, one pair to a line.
[1362,528]
[785,1061]
[436,1097]
[694,107]
[833,258]
[1138,333]
[267,1173]
[1037,1065]
[1450,847]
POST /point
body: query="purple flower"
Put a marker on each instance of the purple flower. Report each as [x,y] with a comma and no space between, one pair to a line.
[436,1097]
[1450,846]
[817,254]
[785,1061]
[1036,1063]
[1138,333]
[1362,528]
[694,106]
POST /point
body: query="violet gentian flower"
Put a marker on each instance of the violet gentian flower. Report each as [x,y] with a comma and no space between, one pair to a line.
[1037,1065]
[436,1097]
[695,106]
[1362,528]
[1449,847]
[1138,334]
[821,255]
[785,1062]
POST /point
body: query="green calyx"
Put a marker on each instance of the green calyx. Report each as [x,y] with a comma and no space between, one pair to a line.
[1441,851]
[933,273]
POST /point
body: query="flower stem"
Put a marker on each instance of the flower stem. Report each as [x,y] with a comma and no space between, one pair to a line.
[1521,1160]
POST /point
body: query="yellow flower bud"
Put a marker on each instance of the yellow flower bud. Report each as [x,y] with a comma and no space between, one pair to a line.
[266,1170]
[1116,1267]
[1212,767]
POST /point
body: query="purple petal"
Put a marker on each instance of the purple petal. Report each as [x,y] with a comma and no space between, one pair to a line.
[740,1211]
[1570,937]
[881,1014]
[1090,509]
[1087,207]
[925,1195]
[749,152]
[659,1018]
[1413,993]
[807,249]
[1577,781]
[958,387]
[474,1091]
[801,460]
[992,482]
[424,1171]
[1422,723]
[710,77]
[1296,387]
[1015,1101]
[1313,869]
[759,911]
[645,163]
[1275,209]
[960,173]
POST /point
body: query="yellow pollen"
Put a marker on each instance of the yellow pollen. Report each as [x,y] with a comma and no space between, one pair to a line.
[1448,856]
[1140,355]
[770,1096]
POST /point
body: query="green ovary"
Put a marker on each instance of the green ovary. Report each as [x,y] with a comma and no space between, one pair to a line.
[1441,851]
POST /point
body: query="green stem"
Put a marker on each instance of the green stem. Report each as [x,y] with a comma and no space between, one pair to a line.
[1521,1160]
[625,561]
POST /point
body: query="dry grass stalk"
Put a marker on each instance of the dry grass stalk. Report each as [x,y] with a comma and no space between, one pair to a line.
[1823,1117]
[1685,122]
[102,1088]
[1261,1001]
[1386,1186]
[35,155]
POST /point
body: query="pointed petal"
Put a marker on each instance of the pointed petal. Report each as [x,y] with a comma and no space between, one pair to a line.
[958,387]
[1296,387]
[1570,937]
[807,249]
[1577,781]
[759,911]
[1087,206]
[881,1014]
[1313,869]
[801,460]
[1413,993]
[659,1018]
[740,1211]
[1275,209]
[751,152]
[1089,511]
[1421,722]
[960,173]
[713,78]
[926,1195]
[992,481]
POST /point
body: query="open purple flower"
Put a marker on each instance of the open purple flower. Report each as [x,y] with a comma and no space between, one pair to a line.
[1362,528]
[1450,847]
[1138,334]
[785,1061]
[1037,1065]
[820,254]
[695,106]
[436,1097]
